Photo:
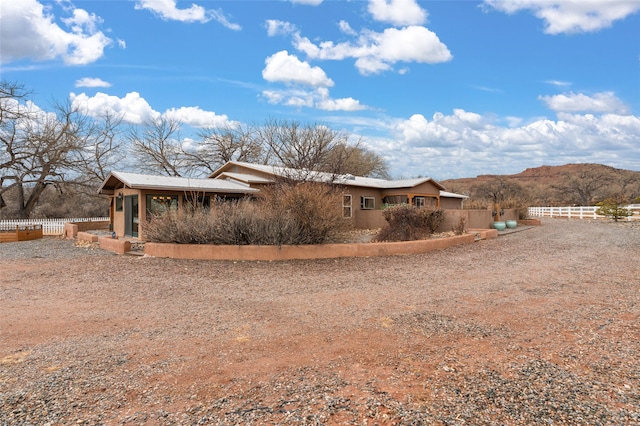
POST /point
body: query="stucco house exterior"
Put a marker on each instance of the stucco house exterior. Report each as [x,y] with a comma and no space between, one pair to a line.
[363,197]
[135,197]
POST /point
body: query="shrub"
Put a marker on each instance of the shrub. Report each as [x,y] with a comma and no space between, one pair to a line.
[303,213]
[614,208]
[460,227]
[407,223]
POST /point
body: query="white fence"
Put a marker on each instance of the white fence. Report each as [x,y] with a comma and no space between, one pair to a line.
[589,212]
[49,226]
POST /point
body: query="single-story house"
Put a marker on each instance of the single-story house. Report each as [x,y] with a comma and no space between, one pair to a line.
[363,197]
[135,196]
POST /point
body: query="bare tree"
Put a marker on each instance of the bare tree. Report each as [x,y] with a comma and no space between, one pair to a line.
[12,153]
[103,150]
[582,188]
[221,145]
[500,190]
[38,148]
[303,147]
[157,148]
[358,161]
[314,147]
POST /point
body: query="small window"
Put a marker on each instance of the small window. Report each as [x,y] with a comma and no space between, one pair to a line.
[159,204]
[119,199]
[419,201]
[346,206]
[367,203]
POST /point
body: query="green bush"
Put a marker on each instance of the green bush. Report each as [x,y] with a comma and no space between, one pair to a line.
[614,208]
[407,223]
[304,213]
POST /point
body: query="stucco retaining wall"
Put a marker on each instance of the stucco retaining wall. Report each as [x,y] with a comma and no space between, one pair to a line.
[71,229]
[322,251]
[86,236]
[114,245]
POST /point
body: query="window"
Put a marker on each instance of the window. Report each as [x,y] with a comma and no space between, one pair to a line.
[159,204]
[119,203]
[393,200]
[346,206]
[367,203]
[418,201]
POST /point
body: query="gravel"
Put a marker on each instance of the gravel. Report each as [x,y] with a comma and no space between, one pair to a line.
[534,327]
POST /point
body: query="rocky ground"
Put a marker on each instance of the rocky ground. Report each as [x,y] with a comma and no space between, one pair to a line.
[535,327]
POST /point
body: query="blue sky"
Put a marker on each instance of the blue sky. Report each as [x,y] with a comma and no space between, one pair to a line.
[438,88]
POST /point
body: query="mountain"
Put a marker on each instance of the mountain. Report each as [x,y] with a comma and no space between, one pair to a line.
[558,185]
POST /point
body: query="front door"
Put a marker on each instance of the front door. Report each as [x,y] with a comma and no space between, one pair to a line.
[131,216]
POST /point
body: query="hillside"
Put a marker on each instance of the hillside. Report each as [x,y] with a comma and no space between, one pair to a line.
[557,185]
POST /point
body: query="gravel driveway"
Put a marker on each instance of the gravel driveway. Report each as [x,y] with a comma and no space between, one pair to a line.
[535,327]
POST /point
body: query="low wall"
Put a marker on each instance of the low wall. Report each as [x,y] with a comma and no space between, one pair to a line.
[71,229]
[86,236]
[321,251]
[114,245]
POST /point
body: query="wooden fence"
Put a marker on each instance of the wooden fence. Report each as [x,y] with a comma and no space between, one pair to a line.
[585,212]
[21,233]
[49,226]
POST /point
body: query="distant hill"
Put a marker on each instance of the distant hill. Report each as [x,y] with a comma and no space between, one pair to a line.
[558,185]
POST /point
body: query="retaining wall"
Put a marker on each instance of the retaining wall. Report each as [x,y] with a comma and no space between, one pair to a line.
[71,229]
[321,251]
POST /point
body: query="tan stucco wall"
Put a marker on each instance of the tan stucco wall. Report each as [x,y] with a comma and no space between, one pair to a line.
[474,219]
[451,203]
[118,217]
[324,251]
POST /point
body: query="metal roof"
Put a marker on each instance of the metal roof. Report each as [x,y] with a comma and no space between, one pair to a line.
[347,180]
[171,183]
[452,195]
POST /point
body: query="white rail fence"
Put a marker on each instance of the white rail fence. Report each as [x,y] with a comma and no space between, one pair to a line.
[588,212]
[49,226]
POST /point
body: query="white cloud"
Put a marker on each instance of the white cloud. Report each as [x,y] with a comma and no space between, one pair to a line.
[346,28]
[571,16]
[465,144]
[285,68]
[558,83]
[132,108]
[377,52]
[196,117]
[603,102]
[276,27]
[342,104]
[29,31]
[168,10]
[318,98]
[135,109]
[307,2]
[397,12]
[92,82]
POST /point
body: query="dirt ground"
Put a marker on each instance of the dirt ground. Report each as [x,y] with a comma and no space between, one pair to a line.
[535,327]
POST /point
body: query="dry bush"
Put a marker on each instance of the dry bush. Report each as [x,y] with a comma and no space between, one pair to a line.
[460,227]
[315,207]
[306,213]
[407,223]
